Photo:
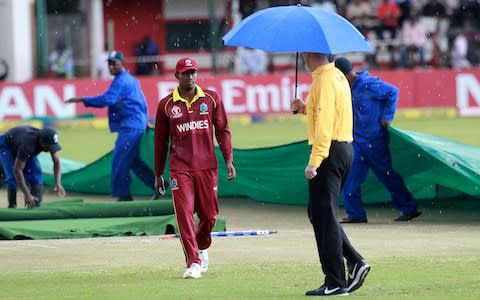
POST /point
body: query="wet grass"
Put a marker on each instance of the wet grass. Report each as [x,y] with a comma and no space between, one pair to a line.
[88,144]
[390,278]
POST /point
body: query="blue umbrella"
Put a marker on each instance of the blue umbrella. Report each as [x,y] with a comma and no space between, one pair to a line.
[297,28]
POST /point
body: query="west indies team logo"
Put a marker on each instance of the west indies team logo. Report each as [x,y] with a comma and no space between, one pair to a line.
[203,109]
[176,112]
[174,183]
[188,63]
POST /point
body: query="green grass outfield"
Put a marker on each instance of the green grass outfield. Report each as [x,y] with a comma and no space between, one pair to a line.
[86,144]
[436,256]
[433,257]
[446,277]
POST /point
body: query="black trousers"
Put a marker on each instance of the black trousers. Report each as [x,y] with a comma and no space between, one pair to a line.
[324,189]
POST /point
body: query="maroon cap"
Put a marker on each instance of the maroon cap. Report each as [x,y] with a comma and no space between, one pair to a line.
[185,64]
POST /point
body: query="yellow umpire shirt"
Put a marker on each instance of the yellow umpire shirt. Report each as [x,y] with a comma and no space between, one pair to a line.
[329,112]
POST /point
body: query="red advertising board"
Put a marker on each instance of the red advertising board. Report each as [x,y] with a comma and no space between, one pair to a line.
[241,94]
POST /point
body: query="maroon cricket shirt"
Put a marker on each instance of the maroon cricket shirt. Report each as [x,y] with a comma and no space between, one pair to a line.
[190,127]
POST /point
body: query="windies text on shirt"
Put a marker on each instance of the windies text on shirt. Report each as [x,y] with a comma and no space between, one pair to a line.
[193,125]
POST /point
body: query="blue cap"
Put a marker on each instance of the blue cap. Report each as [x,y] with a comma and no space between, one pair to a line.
[116,56]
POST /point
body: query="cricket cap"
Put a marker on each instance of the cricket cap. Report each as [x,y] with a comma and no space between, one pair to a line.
[343,65]
[185,64]
[116,56]
[50,137]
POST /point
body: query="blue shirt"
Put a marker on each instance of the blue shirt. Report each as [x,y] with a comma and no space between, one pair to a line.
[125,101]
[373,100]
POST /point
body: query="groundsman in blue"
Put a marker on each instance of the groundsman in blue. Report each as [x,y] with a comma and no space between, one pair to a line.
[374,102]
[127,115]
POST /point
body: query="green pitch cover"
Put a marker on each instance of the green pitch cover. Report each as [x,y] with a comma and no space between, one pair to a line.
[77,219]
[93,227]
[432,167]
[77,209]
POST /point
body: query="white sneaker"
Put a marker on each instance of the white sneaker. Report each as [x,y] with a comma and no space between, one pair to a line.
[195,271]
[203,254]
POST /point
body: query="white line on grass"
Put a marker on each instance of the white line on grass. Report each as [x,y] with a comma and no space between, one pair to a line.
[41,246]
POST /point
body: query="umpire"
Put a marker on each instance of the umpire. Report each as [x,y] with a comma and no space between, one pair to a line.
[329,129]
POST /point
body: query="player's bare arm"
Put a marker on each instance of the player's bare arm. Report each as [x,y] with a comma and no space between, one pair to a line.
[74,100]
[57,173]
[18,170]
[160,185]
[232,173]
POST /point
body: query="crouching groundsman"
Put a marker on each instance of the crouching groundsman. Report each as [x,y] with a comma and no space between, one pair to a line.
[19,148]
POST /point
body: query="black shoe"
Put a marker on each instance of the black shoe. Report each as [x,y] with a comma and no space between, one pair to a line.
[356,275]
[125,198]
[350,220]
[327,291]
[408,217]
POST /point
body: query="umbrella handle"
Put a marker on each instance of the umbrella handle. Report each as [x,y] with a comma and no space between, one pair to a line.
[296,79]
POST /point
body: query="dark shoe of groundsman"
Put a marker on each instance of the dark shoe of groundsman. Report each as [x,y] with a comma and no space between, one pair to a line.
[408,217]
[156,196]
[328,291]
[350,220]
[356,275]
[125,198]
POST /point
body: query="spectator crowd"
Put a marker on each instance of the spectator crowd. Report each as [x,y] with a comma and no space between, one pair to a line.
[403,33]
[407,33]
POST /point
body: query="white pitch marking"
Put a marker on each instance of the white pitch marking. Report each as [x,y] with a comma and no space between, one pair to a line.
[41,246]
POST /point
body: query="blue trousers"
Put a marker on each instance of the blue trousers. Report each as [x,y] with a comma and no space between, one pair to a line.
[126,157]
[32,171]
[376,156]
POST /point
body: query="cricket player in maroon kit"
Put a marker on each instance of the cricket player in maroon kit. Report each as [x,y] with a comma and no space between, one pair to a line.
[186,118]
